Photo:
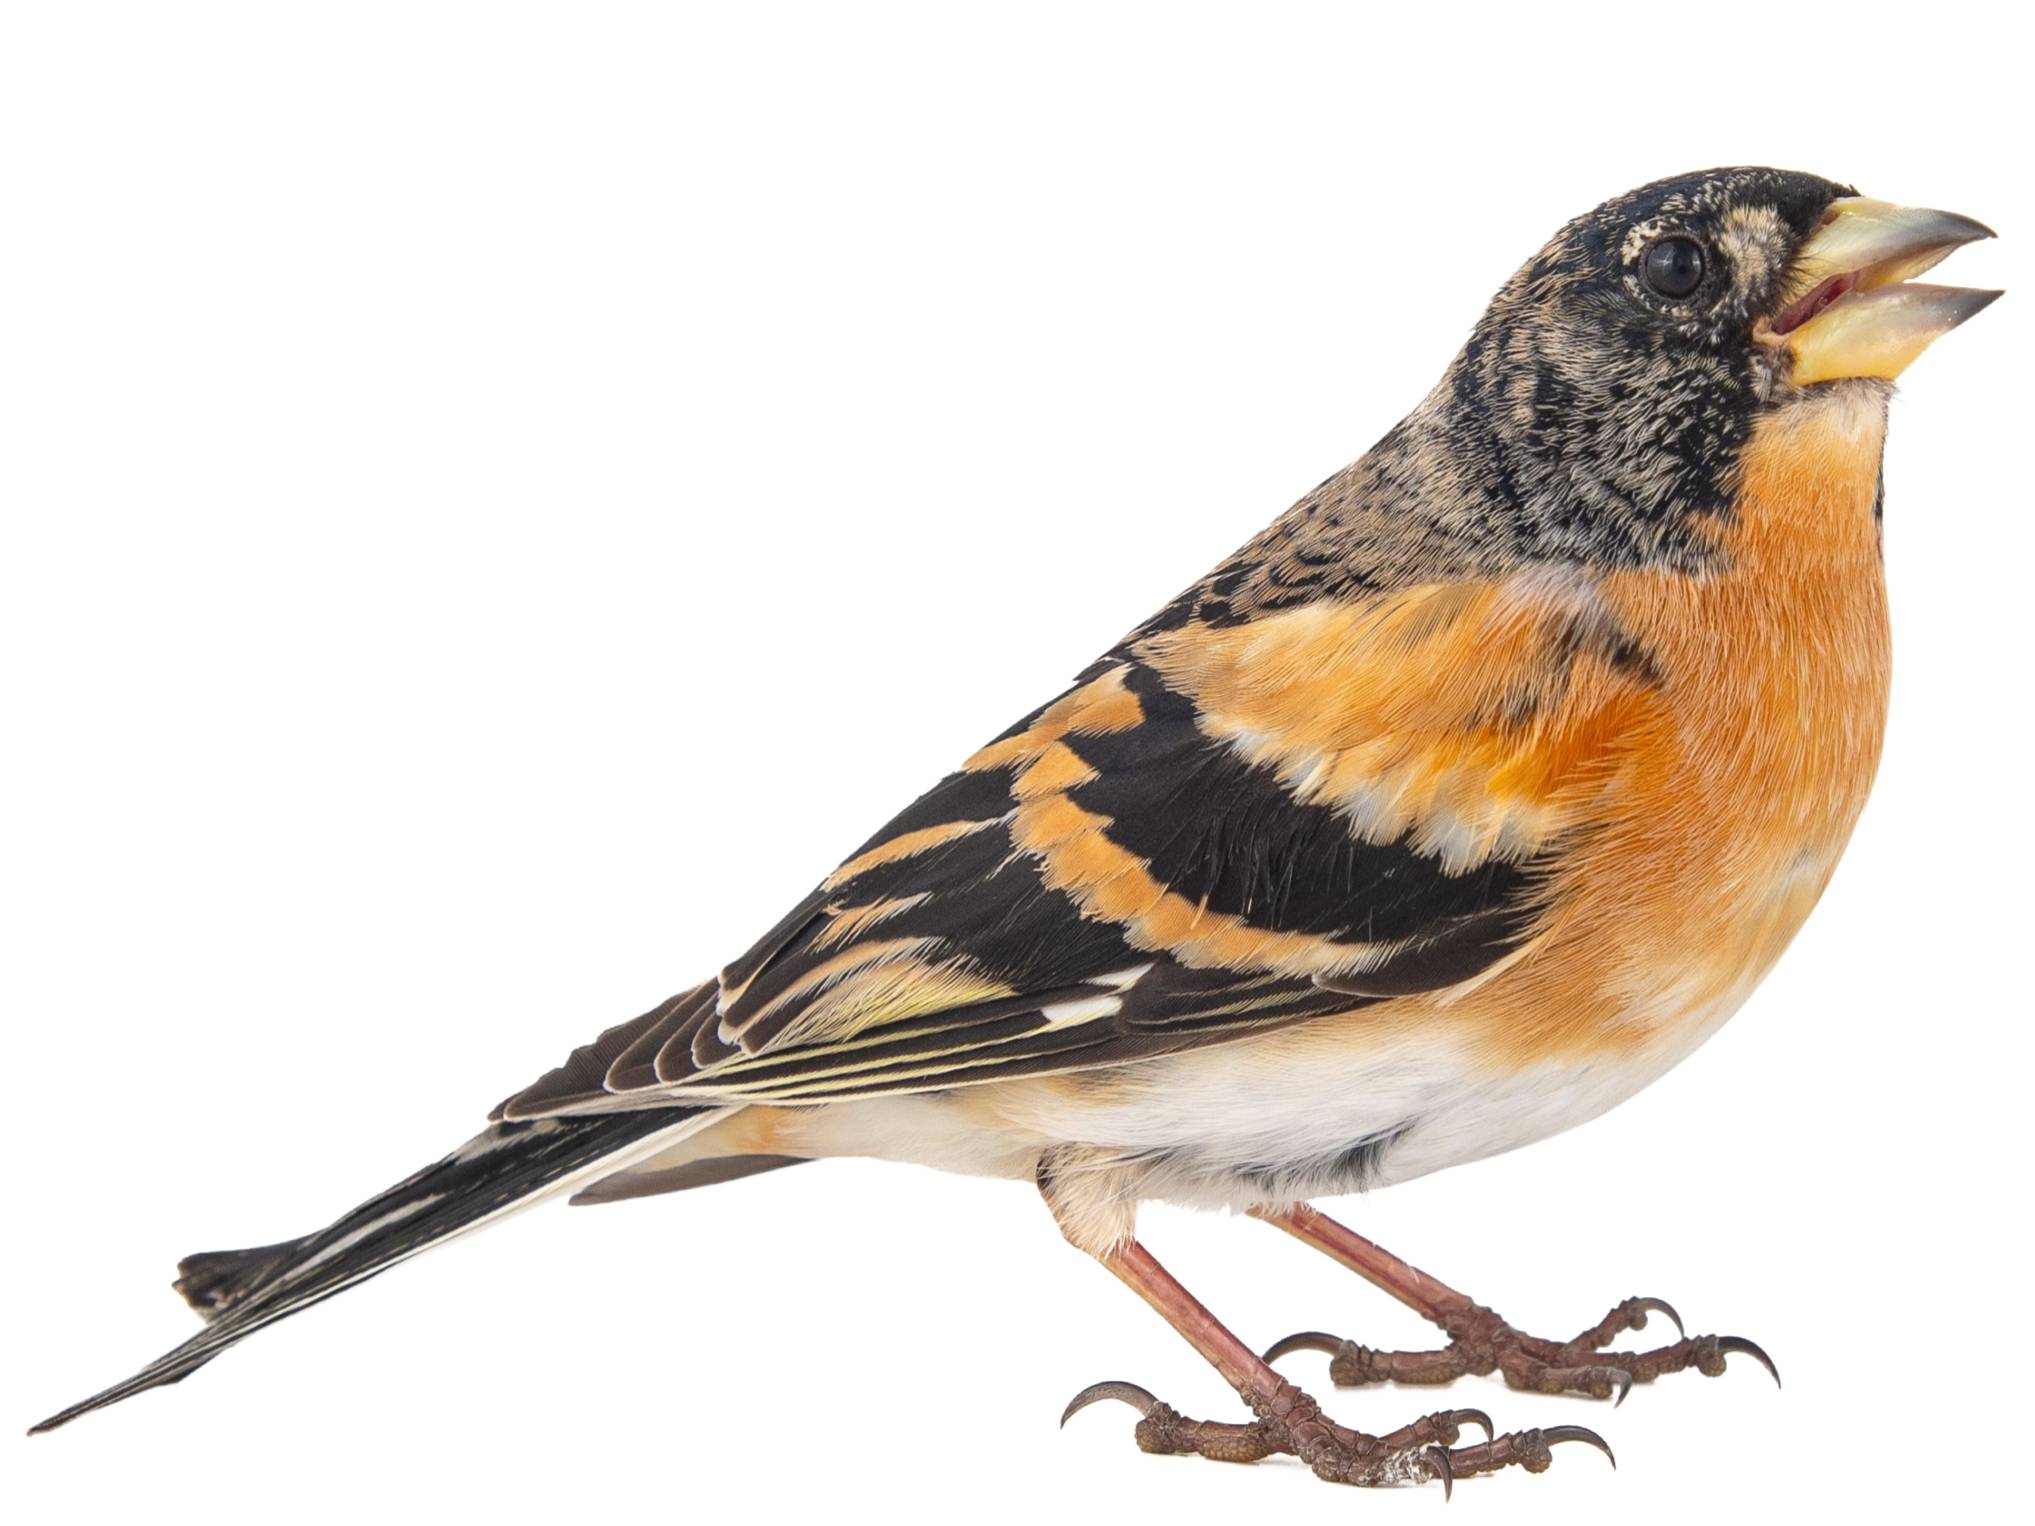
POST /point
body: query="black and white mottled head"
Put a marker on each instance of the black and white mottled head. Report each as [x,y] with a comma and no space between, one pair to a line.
[1599,413]
[1693,261]
[1614,378]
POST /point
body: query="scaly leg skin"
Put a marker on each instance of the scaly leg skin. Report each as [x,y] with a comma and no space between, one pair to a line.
[1287,1421]
[1481,1343]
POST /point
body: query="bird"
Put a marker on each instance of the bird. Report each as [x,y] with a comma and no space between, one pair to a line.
[1462,802]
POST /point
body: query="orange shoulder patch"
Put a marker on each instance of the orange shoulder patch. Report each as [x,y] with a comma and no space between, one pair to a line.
[1473,720]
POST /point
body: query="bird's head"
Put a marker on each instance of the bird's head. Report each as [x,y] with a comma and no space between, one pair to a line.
[1616,377]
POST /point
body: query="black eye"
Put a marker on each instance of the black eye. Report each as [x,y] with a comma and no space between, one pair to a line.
[1674,266]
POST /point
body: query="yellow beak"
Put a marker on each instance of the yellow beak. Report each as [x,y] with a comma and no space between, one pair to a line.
[1848,309]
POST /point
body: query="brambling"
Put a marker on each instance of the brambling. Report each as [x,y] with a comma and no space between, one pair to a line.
[1461,803]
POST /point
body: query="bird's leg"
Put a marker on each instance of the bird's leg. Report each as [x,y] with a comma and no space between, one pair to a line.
[1287,1421]
[1480,1342]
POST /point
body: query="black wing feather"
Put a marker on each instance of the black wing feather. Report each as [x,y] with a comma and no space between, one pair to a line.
[949,882]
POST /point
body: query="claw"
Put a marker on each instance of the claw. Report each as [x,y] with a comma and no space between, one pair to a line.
[1438,1459]
[1464,1417]
[1624,1381]
[1740,1343]
[1304,1340]
[1139,1399]
[1662,1306]
[1559,1433]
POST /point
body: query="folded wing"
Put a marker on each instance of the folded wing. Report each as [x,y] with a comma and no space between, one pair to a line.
[1224,826]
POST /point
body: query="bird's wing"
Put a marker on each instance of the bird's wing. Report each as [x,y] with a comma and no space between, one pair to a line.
[1222,827]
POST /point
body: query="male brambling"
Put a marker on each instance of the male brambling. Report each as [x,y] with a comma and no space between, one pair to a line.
[1457,806]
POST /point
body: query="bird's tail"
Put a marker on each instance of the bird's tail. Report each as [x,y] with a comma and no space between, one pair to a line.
[507,1167]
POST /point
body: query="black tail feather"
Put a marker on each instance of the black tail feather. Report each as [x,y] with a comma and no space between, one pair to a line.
[509,1166]
[213,1281]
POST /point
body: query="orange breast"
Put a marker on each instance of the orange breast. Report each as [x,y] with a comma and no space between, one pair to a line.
[1735,807]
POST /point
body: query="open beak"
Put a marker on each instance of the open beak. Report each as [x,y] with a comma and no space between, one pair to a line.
[1849,308]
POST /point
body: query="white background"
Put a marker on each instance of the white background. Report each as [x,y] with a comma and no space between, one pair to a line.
[500,498]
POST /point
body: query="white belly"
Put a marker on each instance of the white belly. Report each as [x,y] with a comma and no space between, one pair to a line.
[1282,1118]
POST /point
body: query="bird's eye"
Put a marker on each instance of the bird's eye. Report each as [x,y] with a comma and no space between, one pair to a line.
[1673,267]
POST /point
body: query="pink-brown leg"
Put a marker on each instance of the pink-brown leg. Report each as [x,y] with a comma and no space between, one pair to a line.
[1480,1342]
[1287,1421]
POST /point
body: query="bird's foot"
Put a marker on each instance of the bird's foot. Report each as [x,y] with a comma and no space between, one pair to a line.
[1290,1423]
[1481,1343]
